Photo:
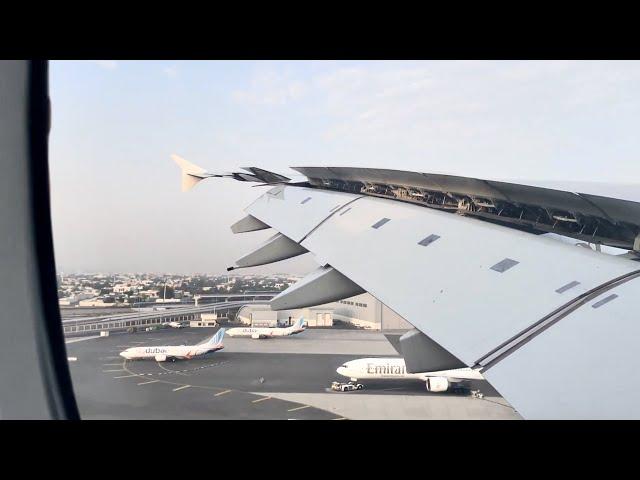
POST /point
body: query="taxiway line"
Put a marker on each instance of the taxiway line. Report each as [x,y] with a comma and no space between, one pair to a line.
[260,399]
[150,381]
[298,408]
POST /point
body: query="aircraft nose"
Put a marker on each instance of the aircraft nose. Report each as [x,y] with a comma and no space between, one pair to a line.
[123,354]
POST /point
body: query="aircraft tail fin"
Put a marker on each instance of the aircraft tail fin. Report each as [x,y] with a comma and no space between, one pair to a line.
[299,323]
[191,173]
[217,338]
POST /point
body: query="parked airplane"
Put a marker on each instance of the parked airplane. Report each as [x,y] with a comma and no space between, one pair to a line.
[394,368]
[175,352]
[258,333]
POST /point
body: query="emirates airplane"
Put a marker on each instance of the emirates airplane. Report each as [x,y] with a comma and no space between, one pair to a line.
[258,333]
[175,352]
[395,369]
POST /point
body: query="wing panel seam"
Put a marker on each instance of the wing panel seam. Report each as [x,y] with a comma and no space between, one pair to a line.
[517,341]
[331,214]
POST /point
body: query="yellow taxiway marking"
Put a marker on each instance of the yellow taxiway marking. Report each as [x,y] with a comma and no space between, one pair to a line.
[111,364]
[118,370]
[127,376]
[181,388]
[150,381]
[261,399]
[222,393]
[298,408]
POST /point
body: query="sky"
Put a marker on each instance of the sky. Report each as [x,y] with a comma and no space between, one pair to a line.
[116,199]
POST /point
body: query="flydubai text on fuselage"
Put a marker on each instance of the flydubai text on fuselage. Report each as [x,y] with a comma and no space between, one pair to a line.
[175,352]
[395,368]
[257,333]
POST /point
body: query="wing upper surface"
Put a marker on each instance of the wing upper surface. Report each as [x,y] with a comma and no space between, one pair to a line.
[552,326]
[583,367]
[453,288]
[296,211]
[471,286]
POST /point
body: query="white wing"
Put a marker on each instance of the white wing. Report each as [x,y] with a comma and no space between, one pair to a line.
[550,325]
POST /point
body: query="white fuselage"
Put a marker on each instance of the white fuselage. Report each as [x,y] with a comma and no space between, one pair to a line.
[169,352]
[263,332]
[395,368]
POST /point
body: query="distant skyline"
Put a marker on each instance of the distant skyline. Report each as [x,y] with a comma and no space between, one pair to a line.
[116,200]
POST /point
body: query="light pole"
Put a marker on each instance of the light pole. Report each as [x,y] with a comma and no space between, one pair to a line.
[164,295]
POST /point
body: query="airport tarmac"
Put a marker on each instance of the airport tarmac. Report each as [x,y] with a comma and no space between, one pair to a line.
[281,378]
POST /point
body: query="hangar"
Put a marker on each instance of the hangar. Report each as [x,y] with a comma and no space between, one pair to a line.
[362,311]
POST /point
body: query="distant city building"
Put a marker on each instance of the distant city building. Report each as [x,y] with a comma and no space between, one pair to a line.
[76,298]
[95,302]
[122,288]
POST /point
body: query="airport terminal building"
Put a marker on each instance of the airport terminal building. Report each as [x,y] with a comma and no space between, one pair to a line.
[363,311]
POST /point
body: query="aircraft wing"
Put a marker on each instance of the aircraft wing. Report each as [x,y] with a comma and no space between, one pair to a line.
[192,174]
[552,326]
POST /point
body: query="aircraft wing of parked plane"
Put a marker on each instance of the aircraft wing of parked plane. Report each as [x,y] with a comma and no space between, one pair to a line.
[259,333]
[465,261]
[175,352]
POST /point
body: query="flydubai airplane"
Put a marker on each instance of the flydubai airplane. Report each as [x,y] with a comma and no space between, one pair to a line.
[258,333]
[394,368]
[175,352]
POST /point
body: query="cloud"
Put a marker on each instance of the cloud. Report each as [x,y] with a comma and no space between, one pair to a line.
[542,118]
[402,96]
[106,64]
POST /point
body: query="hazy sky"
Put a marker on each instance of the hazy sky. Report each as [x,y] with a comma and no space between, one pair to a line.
[117,204]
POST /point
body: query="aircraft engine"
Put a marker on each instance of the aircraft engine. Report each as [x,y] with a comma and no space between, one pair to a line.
[255,336]
[437,384]
[161,358]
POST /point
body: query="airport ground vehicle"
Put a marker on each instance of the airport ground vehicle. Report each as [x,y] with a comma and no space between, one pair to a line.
[346,387]
[173,324]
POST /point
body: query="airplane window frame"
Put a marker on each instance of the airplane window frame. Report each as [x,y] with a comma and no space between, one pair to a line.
[36,335]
